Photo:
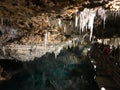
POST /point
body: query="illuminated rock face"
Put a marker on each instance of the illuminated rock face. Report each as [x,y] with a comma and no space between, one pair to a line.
[85,19]
[30,52]
[48,22]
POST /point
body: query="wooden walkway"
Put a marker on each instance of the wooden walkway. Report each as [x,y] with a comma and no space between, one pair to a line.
[107,71]
[108,78]
[107,82]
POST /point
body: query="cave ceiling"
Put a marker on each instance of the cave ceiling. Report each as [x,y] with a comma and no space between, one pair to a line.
[22,13]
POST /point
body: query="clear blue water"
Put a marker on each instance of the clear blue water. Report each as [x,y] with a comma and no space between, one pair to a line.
[48,73]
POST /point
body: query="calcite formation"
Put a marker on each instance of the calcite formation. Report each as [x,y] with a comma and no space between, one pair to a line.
[50,22]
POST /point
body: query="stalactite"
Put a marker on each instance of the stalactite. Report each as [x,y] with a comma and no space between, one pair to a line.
[45,39]
[116,14]
[92,15]
[80,21]
[104,19]
[57,52]
[86,17]
[102,14]
[6,21]
[76,20]
[4,52]
[65,28]
[59,22]
[48,21]
[86,20]
[12,33]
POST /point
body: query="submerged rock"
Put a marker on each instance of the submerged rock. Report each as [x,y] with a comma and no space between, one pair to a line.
[4,75]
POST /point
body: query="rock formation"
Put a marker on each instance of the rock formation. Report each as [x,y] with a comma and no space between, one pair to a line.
[52,21]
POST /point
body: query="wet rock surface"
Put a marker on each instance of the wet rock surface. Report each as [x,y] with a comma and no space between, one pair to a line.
[4,75]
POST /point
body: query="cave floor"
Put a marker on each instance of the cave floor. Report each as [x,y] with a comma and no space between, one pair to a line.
[107,82]
[107,71]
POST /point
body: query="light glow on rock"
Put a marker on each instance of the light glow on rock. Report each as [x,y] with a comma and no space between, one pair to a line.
[102,88]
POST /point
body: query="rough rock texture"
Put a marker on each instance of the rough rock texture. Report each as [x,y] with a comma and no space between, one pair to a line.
[32,17]
[40,21]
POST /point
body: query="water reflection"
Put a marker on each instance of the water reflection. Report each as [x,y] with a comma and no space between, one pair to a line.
[69,71]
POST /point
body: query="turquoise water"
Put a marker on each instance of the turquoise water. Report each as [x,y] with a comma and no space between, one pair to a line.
[48,73]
